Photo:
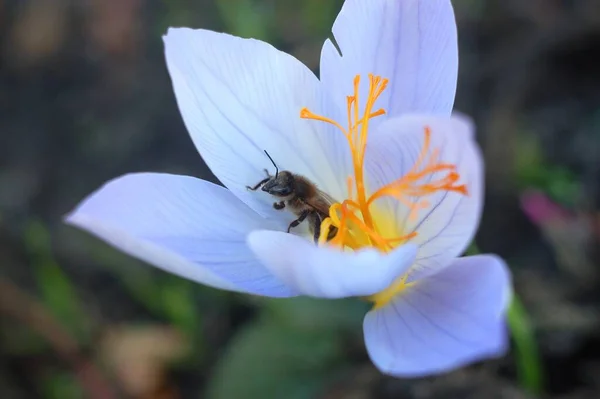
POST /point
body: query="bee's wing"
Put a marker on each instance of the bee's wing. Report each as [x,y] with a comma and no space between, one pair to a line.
[328,198]
[322,202]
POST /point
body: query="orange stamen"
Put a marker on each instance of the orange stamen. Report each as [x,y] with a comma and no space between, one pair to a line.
[305,113]
[354,216]
[408,186]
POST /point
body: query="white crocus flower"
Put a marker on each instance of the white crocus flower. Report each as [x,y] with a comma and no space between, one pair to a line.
[375,133]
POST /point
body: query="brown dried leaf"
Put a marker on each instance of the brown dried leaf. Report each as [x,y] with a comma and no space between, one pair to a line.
[139,357]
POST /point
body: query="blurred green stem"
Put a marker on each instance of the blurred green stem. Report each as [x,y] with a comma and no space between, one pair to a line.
[526,351]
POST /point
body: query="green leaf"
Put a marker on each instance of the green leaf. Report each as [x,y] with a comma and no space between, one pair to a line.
[246,18]
[56,290]
[526,351]
[268,360]
[529,162]
[20,340]
[179,306]
[61,385]
[562,185]
[164,295]
[140,281]
[176,13]
[533,171]
[319,15]
[317,314]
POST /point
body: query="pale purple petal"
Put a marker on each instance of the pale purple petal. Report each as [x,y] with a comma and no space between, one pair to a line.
[239,97]
[445,321]
[327,272]
[412,43]
[183,225]
[446,227]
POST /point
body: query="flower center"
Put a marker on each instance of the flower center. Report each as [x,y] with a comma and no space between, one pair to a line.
[359,221]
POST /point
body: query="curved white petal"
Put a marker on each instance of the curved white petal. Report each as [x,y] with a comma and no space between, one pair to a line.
[239,97]
[186,226]
[446,227]
[412,43]
[326,272]
[443,322]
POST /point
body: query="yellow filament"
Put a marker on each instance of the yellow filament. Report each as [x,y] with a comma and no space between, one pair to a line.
[384,297]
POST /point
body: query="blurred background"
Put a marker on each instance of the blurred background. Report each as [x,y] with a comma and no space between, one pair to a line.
[85,97]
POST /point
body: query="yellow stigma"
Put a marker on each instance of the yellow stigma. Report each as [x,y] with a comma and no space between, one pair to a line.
[360,222]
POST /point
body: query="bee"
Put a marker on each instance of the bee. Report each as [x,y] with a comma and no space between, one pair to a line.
[300,196]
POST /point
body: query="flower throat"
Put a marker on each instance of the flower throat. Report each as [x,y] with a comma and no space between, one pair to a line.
[355,217]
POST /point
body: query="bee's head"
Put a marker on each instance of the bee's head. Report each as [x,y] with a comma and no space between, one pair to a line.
[281,185]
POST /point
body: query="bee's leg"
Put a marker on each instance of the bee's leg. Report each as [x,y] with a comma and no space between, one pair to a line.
[279,205]
[300,219]
[260,183]
[332,233]
[317,232]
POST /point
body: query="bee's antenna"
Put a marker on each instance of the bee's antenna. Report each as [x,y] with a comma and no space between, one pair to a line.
[274,164]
